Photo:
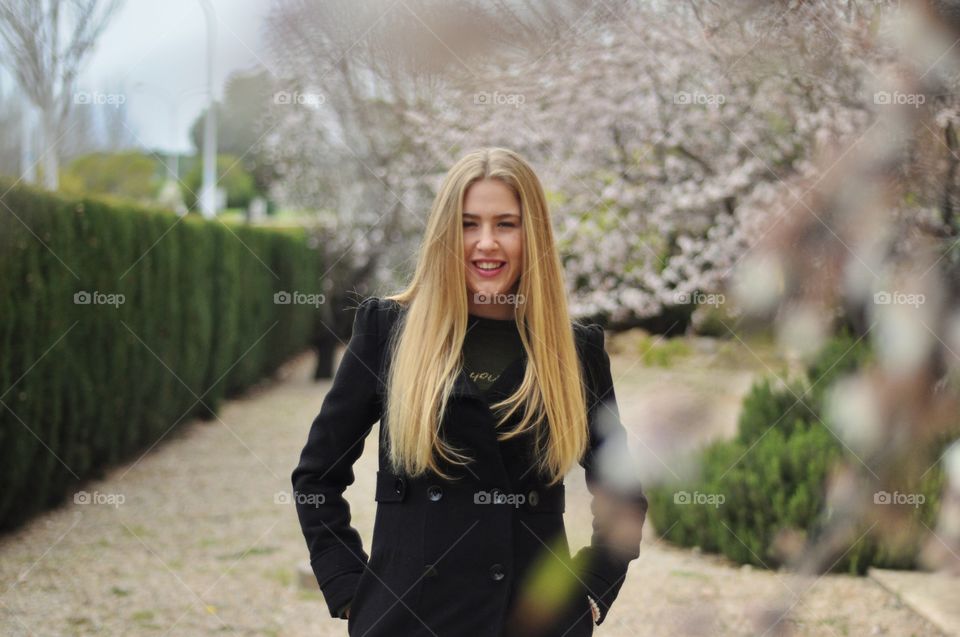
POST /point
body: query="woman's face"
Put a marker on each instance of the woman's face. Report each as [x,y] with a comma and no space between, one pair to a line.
[493,248]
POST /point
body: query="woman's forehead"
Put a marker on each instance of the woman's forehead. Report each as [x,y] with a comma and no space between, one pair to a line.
[490,192]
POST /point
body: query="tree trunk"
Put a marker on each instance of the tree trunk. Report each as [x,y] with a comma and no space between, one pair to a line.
[946,205]
[50,151]
[28,163]
[326,353]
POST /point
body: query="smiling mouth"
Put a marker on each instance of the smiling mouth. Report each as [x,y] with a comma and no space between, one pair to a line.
[489,267]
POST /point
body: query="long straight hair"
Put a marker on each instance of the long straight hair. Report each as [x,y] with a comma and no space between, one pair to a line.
[426,351]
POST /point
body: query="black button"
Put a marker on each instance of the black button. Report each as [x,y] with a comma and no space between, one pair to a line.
[434,492]
[533,498]
[430,570]
[398,485]
[496,572]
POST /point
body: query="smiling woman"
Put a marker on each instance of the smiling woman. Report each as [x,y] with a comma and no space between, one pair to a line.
[487,395]
[493,248]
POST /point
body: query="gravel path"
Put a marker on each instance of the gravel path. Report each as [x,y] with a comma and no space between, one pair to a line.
[190,540]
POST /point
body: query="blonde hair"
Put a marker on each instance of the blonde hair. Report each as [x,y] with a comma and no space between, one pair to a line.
[426,350]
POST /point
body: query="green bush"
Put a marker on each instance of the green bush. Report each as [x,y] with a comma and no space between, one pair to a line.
[130,174]
[771,477]
[768,404]
[231,176]
[86,385]
[662,352]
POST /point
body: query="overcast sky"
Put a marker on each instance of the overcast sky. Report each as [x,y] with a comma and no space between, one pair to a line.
[163,47]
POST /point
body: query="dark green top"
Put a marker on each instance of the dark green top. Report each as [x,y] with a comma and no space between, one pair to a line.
[489,346]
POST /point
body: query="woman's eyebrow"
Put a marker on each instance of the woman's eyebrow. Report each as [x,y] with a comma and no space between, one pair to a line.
[496,216]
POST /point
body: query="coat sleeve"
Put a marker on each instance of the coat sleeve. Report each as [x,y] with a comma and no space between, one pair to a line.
[611,480]
[336,439]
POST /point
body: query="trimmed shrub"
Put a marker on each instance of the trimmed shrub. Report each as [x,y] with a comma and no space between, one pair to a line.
[232,177]
[133,175]
[772,477]
[118,323]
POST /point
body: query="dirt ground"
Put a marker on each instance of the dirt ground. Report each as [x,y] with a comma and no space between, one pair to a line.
[196,538]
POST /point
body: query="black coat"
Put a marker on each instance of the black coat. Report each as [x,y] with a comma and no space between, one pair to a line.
[440,565]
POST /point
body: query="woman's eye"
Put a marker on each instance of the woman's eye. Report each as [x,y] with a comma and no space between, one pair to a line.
[508,224]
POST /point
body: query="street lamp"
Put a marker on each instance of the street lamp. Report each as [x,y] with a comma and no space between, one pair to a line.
[208,192]
[173,103]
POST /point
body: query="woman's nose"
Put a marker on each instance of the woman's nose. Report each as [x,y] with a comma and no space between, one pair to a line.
[486,238]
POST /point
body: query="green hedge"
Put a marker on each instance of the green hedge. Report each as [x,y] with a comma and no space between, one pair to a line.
[84,386]
[772,477]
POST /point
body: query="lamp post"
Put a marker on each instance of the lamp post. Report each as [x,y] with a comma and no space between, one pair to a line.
[173,103]
[208,192]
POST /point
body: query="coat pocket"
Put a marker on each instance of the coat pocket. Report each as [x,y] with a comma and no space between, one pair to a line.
[579,620]
[388,592]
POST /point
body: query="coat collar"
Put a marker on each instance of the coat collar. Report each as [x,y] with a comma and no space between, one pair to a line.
[506,382]
[510,378]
